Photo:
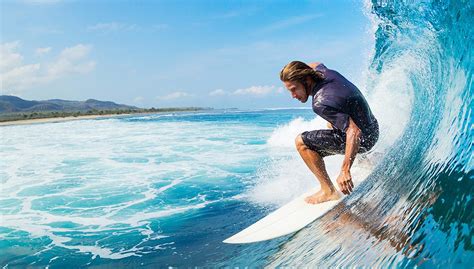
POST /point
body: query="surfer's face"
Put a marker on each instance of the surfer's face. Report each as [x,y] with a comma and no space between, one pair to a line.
[297,90]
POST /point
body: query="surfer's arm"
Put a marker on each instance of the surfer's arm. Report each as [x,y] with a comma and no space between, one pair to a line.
[353,134]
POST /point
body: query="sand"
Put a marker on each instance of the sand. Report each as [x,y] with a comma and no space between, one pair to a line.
[61,119]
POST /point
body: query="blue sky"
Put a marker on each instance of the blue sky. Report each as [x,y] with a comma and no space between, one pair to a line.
[175,53]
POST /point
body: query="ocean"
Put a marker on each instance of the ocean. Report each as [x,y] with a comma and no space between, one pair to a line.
[162,190]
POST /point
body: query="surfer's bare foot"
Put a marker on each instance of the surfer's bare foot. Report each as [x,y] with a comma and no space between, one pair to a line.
[321,197]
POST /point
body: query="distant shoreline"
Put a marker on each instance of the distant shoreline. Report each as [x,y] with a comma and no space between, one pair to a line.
[72,118]
[62,119]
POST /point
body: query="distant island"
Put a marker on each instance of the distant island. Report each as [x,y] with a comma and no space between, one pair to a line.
[13,108]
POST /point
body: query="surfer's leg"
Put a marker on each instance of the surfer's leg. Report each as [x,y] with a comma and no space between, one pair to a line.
[315,163]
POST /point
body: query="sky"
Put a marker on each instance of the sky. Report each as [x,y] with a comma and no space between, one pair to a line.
[220,54]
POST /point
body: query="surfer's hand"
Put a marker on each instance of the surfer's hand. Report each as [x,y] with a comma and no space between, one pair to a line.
[344,180]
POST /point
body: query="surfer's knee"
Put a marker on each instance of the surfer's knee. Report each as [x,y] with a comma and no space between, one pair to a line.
[299,143]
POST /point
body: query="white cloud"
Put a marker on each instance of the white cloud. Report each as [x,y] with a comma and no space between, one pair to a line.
[17,76]
[9,58]
[42,51]
[112,27]
[218,92]
[255,90]
[69,61]
[20,77]
[76,52]
[174,95]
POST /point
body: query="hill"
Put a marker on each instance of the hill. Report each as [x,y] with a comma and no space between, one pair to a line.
[13,108]
[10,104]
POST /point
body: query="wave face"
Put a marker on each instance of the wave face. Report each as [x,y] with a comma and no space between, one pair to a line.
[416,208]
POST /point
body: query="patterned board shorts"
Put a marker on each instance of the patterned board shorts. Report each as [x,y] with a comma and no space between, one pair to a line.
[330,142]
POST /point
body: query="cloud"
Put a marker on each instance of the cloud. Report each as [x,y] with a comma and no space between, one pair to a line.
[69,61]
[42,51]
[218,92]
[17,76]
[174,95]
[20,77]
[290,22]
[112,27]
[255,90]
[75,53]
[10,58]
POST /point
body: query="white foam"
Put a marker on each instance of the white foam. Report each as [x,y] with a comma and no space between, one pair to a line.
[136,162]
[284,136]
[286,175]
[391,99]
[390,96]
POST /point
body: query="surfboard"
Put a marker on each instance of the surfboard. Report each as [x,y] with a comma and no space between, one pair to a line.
[288,219]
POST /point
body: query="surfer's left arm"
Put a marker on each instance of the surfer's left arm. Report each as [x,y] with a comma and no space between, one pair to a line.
[353,134]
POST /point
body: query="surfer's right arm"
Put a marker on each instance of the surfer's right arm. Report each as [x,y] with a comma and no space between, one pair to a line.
[353,134]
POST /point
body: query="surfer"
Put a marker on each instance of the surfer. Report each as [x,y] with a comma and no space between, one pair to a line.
[352,126]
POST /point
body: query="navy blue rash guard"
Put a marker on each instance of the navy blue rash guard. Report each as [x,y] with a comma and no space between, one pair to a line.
[336,99]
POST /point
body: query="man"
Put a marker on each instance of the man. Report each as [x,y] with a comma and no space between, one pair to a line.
[353,127]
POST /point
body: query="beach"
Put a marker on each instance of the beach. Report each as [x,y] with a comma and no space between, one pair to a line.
[63,119]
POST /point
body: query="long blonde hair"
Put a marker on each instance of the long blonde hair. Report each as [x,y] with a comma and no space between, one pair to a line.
[299,71]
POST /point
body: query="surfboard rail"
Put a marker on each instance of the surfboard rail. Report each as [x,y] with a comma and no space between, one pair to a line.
[288,219]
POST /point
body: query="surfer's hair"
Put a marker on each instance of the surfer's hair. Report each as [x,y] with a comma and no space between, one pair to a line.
[299,71]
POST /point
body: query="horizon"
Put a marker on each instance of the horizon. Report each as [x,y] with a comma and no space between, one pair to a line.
[221,108]
[157,54]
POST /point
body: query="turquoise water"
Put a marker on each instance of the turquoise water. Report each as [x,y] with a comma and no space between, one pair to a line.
[160,189]
[416,207]
[166,189]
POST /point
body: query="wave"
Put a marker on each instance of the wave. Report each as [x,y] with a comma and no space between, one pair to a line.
[416,208]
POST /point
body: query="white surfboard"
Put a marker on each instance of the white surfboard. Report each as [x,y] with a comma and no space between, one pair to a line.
[288,219]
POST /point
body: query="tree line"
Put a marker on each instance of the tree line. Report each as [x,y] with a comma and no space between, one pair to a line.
[61,114]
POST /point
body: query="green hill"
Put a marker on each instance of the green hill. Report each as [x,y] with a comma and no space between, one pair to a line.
[14,108]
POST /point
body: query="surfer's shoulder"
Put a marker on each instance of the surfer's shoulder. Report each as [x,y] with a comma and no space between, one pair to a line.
[314,65]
